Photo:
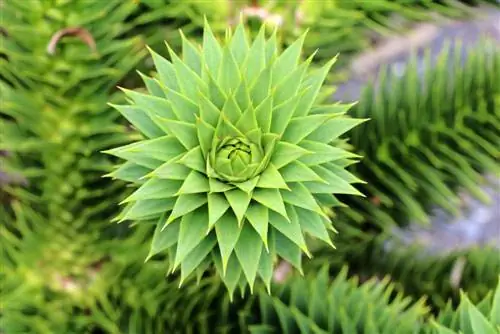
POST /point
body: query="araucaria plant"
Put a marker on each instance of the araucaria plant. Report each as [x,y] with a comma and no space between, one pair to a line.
[238,158]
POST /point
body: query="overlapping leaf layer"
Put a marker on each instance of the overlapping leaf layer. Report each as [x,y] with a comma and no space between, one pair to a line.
[236,163]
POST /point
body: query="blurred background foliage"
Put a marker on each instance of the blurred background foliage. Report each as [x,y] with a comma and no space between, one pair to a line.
[434,135]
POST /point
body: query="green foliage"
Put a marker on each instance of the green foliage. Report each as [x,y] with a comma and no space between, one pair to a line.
[316,305]
[484,317]
[236,156]
[427,137]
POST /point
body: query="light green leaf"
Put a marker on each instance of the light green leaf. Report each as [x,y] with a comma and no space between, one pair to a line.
[184,132]
[248,250]
[165,70]
[271,178]
[217,186]
[186,204]
[312,224]
[282,114]
[196,256]
[212,53]
[239,201]
[154,189]
[194,160]
[171,170]
[288,250]
[185,109]
[263,114]
[193,227]
[205,136]
[258,216]
[289,85]
[130,172]
[296,171]
[256,60]
[314,81]
[261,89]
[229,74]
[195,183]
[265,269]
[231,110]
[191,55]
[153,86]
[140,120]
[336,184]
[323,153]
[152,105]
[239,44]
[478,321]
[227,231]
[209,112]
[247,121]
[300,196]
[495,307]
[288,60]
[190,82]
[217,206]
[147,208]
[271,48]
[334,128]
[163,238]
[285,153]
[272,199]
[291,229]
[300,127]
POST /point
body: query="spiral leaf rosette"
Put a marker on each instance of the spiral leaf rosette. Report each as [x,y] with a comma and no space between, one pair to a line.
[238,158]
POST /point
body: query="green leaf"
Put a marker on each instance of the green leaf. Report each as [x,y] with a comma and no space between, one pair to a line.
[193,227]
[152,105]
[288,60]
[217,206]
[194,160]
[196,256]
[205,136]
[256,60]
[190,82]
[185,109]
[336,185]
[265,269]
[247,121]
[186,204]
[184,132]
[227,231]
[288,250]
[195,183]
[282,114]
[263,114]
[289,85]
[232,275]
[229,75]
[271,48]
[300,127]
[495,307]
[239,44]
[248,249]
[140,120]
[272,199]
[296,171]
[261,89]
[212,53]
[323,153]
[130,172]
[478,321]
[163,238]
[191,55]
[239,201]
[334,128]
[291,229]
[171,170]
[147,208]
[285,153]
[149,153]
[217,186]
[154,189]
[209,112]
[271,178]
[312,224]
[258,216]
[165,70]
[153,86]
[314,81]
[300,196]
[231,110]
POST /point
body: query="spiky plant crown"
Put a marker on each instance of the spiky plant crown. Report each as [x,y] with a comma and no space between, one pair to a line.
[316,305]
[469,318]
[236,162]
